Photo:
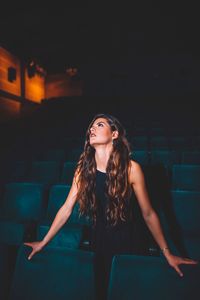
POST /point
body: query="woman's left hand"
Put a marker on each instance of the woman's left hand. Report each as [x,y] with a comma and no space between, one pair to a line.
[174,261]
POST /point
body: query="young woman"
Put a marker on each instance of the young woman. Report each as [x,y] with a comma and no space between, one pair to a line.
[106,182]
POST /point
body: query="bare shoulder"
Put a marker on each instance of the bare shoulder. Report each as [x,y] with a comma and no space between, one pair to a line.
[135,171]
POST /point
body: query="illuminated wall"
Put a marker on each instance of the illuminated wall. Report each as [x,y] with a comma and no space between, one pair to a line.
[17,88]
[9,109]
[8,60]
[62,85]
[34,87]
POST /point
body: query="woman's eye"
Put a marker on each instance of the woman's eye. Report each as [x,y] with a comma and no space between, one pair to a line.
[100,124]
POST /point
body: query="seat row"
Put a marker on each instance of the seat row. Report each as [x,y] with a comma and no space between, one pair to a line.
[62,273]
[142,155]
[180,176]
[179,155]
[28,210]
[171,142]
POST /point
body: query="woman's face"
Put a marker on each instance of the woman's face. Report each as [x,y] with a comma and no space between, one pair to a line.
[100,132]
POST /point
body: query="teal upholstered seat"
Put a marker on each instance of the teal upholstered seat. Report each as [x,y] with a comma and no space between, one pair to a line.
[54,273]
[186,177]
[69,236]
[144,277]
[47,172]
[67,173]
[180,219]
[24,204]
[74,153]
[54,155]
[140,156]
[159,142]
[57,196]
[73,231]
[165,157]
[140,143]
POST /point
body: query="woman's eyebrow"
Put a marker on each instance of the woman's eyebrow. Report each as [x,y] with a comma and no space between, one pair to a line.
[100,122]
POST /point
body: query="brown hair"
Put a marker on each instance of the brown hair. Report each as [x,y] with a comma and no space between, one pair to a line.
[118,189]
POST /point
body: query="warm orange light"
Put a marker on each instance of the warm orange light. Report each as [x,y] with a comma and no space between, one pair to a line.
[34,87]
[8,60]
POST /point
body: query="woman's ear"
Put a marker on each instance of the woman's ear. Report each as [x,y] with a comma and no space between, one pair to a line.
[115,134]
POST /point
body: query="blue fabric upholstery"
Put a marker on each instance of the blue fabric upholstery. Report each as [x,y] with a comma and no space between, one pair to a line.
[53,273]
[68,172]
[24,205]
[186,177]
[145,277]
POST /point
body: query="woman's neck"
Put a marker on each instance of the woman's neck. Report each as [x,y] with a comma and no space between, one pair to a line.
[102,155]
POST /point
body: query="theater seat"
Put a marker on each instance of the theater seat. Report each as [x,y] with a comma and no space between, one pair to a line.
[57,197]
[140,143]
[144,277]
[180,219]
[68,172]
[58,155]
[24,204]
[140,156]
[73,233]
[46,172]
[165,157]
[69,236]
[159,142]
[74,154]
[54,273]
[186,177]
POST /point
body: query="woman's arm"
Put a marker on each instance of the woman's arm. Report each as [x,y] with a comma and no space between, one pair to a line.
[137,181]
[60,219]
[148,213]
[62,215]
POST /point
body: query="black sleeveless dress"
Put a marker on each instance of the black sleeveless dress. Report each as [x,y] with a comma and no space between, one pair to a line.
[107,240]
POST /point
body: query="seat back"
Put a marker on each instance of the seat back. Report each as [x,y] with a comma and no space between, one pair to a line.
[144,277]
[186,177]
[24,201]
[47,172]
[53,273]
[68,172]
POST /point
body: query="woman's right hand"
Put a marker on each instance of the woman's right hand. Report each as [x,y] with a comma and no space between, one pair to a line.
[36,247]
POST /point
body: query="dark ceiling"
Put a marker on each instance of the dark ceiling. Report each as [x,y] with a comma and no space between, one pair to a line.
[62,36]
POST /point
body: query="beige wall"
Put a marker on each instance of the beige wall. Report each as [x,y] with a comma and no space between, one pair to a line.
[61,85]
[8,60]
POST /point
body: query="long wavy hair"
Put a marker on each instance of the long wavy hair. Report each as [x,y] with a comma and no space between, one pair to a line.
[118,189]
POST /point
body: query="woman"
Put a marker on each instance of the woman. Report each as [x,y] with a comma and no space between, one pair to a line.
[105,183]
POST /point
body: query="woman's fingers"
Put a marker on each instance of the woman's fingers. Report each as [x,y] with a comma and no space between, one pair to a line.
[31,255]
[28,244]
[190,261]
[178,271]
[33,249]
[187,261]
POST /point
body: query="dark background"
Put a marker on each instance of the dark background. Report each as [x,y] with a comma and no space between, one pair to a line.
[59,35]
[137,61]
